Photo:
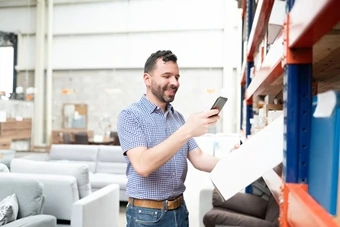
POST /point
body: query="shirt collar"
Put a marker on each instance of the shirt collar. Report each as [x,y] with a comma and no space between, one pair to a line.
[151,107]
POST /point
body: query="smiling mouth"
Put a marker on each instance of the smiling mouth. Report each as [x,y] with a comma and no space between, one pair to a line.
[172,91]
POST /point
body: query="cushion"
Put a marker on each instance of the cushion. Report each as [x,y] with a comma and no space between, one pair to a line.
[76,153]
[79,171]
[111,160]
[219,216]
[29,193]
[8,209]
[242,203]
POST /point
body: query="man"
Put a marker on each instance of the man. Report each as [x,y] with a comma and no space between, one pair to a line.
[157,142]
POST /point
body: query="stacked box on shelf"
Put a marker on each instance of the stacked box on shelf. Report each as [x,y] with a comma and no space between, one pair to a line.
[324,151]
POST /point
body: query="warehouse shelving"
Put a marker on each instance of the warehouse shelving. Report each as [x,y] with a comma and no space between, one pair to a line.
[307,50]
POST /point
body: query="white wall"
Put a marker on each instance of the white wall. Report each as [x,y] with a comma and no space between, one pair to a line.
[122,34]
[106,35]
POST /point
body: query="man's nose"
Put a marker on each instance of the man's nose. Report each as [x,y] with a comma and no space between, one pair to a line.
[174,81]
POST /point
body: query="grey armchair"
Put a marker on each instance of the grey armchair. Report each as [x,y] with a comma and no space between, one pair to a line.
[30,198]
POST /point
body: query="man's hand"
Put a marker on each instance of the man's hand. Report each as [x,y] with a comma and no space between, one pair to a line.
[236,146]
[199,123]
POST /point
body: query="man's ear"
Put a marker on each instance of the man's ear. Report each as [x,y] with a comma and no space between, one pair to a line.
[147,79]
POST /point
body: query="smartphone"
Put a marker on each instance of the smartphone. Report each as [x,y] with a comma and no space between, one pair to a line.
[219,103]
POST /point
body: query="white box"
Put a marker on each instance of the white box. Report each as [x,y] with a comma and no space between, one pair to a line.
[259,154]
[276,20]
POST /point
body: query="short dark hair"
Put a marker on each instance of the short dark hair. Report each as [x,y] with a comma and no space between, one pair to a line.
[165,55]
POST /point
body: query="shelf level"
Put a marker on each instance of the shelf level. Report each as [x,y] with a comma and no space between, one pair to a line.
[303,210]
[270,70]
[259,26]
[309,20]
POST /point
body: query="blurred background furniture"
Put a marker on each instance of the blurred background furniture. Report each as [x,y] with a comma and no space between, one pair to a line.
[68,193]
[30,196]
[6,156]
[107,164]
[81,138]
[58,135]
[115,137]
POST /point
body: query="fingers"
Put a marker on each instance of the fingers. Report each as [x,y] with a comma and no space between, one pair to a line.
[211,113]
[212,120]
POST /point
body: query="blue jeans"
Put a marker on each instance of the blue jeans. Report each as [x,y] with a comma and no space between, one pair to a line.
[140,216]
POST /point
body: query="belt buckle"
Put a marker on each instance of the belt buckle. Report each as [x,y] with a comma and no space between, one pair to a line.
[167,204]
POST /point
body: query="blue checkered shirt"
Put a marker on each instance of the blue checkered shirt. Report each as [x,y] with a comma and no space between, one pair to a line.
[143,124]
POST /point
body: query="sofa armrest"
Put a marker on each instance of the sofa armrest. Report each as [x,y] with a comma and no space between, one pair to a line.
[101,208]
[34,221]
[205,203]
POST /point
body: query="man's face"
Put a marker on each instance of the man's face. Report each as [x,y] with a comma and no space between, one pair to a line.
[164,81]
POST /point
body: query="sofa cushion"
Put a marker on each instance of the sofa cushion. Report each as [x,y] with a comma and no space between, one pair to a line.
[84,154]
[100,180]
[29,193]
[111,160]
[35,221]
[220,216]
[243,203]
[79,171]
[9,208]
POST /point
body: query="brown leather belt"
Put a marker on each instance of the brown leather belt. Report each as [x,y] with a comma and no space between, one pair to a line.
[171,204]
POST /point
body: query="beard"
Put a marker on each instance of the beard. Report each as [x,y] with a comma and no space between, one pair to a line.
[160,92]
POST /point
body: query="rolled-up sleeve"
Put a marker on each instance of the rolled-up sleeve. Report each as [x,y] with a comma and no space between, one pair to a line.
[192,144]
[130,132]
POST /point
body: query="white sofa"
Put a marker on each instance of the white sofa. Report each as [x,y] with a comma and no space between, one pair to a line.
[68,193]
[107,164]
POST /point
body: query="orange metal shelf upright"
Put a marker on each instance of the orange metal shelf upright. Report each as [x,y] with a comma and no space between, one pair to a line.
[243,73]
